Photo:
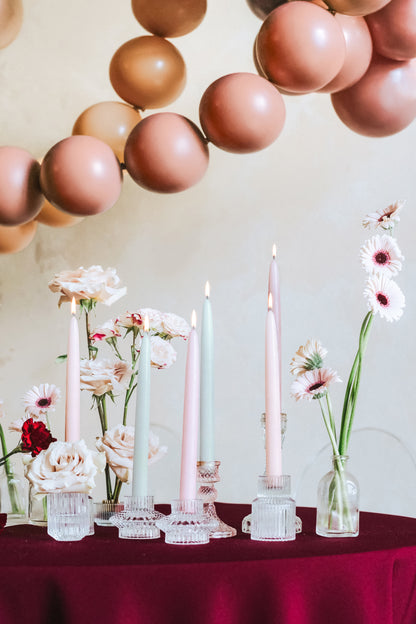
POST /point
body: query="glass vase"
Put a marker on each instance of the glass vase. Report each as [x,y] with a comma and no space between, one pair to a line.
[104,510]
[337,513]
[13,492]
[38,508]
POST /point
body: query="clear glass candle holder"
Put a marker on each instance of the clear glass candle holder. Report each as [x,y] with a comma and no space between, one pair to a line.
[138,519]
[273,511]
[187,524]
[207,477]
[69,516]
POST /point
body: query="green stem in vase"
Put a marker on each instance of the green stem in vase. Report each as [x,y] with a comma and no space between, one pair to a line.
[117,490]
[16,505]
[102,411]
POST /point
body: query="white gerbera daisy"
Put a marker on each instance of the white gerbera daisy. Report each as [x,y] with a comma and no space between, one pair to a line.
[385,297]
[313,384]
[307,357]
[381,254]
[385,218]
[42,399]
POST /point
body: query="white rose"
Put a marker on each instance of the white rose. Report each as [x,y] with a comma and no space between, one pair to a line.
[175,325]
[64,467]
[101,376]
[108,329]
[162,354]
[156,451]
[93,283]
[155,318]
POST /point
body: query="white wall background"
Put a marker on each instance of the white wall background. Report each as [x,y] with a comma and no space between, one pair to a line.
[307,192]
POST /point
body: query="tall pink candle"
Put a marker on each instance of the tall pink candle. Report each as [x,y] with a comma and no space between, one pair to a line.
[274,289]
[190,418]
[73,389]
[273,426]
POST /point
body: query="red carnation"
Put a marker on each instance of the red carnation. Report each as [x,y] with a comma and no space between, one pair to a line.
[36,437]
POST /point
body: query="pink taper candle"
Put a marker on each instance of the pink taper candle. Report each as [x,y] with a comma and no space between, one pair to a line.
[274,289]
[273,426]
[190,417]
[73,389]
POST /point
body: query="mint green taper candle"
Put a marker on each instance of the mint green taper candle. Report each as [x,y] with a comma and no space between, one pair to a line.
[142,418]
[206,440]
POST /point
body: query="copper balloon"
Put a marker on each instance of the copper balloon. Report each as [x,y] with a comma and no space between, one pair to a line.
[383,102]
[166,153]
[242,113]
[357,7]
[167,18]
[393,30]
[262,8]
[148,72]
[359,49]
[49,215]
[300,47]
[16,238]
[11,18]
[81,175]
[20,194]
[110,122]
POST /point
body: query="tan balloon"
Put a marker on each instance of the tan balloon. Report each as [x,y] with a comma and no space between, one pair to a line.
[393,30]
[16,238]
[110,122]
[357,7]
[166,153]
[20,194]
[148,72]
[359,49]
[49,215]
[11,18]
[169,19]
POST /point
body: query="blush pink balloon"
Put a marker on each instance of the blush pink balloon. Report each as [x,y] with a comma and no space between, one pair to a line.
[20,195]
[300,47]
[242,113]
[393,30]
[383,102]
[81,175]
[359,49]
[16,237]
[166,153]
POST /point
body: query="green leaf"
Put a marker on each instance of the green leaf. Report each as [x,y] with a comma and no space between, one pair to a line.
[61,358]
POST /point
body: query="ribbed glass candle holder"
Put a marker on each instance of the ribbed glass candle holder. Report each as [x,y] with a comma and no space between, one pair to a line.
[69,516]
[187,524]
[138,519]
[273,511]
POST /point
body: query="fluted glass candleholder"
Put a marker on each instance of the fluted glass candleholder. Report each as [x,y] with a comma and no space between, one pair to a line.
[187,524]
[208,476]
[138,518]
[69,516]
[273,512]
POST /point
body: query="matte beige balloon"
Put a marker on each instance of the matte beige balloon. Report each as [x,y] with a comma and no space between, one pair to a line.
[357,7]
[49,215]
[110,122]
[16,238]
[359,49]
[300,47]
[20,194]
[383,102]
[166,153]
[148,72]
[81,175]
[167,18]
[393,30]
[242,113]
[11,18]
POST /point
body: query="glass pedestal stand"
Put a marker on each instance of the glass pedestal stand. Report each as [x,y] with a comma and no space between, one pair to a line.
[187,524]
[208,476]
[138,519]
[273,510]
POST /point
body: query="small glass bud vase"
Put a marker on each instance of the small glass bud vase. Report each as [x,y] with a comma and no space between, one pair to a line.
[69,516]
[13,492]
[138,519]
[337,513]
[208,476]
[187,524]
[104,510]
[273,512]
[38,513]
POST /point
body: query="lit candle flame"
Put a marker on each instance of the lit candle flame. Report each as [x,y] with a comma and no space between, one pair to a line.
[146,323]
[193,319]
[274,251]
[207,290]
[270,302]
[73,306]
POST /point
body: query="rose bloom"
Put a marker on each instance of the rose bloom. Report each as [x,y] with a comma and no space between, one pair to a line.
[101,376]
[175,326]
[108,329]
[64,467]
[162,354]
[94,284]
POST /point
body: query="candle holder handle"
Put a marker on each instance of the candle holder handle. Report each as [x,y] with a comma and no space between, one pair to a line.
[208,476]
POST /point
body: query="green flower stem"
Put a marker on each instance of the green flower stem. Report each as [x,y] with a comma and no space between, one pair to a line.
[102,411]
[132,385]
[327,421]
[117,490]
[91,352]
[331,418]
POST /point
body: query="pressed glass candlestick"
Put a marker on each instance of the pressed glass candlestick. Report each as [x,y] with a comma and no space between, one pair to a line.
[138,519]
[187,524]
[207,477]
[273,511]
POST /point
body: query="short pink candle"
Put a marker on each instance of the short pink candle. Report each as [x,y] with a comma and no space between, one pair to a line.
[73,387]
[273,426]
[190,417]
[274,289]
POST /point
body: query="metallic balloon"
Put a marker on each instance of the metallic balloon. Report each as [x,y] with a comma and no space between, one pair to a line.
[262,8]
[357,7]
[148,72]
[49,215]
[11,18]
[242,113]
[393,30]
[167,18]
[81,175]
[166,153]
[20,194]
[16,238]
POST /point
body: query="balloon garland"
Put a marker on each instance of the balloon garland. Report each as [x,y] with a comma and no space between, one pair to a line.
[361,52]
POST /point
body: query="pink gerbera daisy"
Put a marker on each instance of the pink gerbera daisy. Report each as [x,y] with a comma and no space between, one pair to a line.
[313,384]
[381,254]
[385,218]
[385,297]
[42,399]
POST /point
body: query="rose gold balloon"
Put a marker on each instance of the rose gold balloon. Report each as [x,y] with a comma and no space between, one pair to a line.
[81,175]
[11,17]
[242,113]
[20,194]
[393,30]
[359,49]
[357,7]
[166,153]
[300,47]
[110,122]
[16,238]
[169,19]
[262,8]
[148,72]
[383,102]
[49,215]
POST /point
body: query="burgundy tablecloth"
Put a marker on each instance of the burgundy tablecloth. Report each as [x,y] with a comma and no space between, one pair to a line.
[370,579]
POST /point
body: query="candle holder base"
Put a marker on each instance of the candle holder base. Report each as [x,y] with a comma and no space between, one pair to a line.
[138,519]
[187,524]
[69,517]
[273,511]
[208,476]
